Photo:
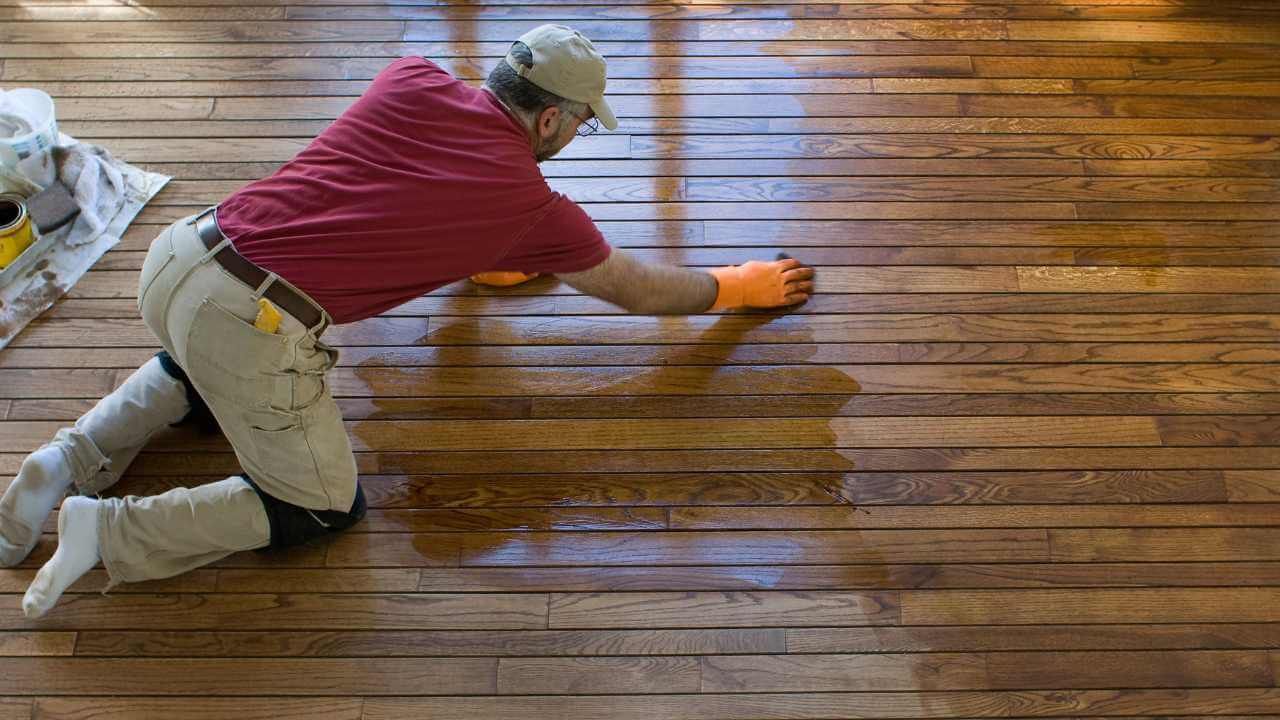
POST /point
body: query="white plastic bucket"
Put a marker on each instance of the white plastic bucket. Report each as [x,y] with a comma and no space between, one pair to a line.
[31,153]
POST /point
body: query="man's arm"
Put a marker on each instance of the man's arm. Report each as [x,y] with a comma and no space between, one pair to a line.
[652,289]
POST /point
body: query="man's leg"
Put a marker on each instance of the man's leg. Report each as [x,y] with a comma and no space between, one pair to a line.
[92,455]
[144,538]
[267,393]
[136,540]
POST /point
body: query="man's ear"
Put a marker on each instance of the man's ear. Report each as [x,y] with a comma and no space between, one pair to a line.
[548,122]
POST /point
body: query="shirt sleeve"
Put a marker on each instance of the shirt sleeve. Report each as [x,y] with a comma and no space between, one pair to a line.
[563,240]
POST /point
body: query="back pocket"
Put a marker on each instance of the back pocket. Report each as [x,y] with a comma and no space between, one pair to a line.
[235,362]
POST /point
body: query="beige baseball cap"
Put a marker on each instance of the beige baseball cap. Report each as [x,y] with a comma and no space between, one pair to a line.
[567,64]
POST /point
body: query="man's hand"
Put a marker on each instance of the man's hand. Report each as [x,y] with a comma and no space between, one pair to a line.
[759,284]
[659,289]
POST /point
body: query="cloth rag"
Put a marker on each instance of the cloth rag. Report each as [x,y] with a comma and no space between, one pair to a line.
[110,193]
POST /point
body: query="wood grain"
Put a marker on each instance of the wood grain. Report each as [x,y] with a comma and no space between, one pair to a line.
[1018,457]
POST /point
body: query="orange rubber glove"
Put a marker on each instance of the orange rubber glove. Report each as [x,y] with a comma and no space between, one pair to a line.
[761,284]
[502,279]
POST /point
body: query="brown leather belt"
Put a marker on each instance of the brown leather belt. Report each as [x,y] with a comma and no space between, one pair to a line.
[246,272]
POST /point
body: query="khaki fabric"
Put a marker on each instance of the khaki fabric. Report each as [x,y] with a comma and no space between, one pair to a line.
[268,393]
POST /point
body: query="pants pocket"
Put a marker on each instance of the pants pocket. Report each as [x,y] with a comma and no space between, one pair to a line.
[236,363]
[304,457]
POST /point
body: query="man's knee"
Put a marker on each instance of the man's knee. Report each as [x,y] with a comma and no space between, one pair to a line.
[294,525]
[200,415]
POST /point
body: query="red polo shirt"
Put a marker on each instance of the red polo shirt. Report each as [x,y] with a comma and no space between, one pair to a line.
[424,181]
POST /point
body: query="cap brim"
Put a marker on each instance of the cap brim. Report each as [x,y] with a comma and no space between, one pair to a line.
[604,113]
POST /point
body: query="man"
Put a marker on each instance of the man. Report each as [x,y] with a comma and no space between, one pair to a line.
[423,181]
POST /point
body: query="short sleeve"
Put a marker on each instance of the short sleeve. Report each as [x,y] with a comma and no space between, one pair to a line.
[563,240]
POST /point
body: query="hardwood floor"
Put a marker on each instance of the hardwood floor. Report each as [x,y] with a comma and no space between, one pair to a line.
[1019,458]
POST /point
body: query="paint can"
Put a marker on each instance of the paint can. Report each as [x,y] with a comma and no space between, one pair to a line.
[16,234]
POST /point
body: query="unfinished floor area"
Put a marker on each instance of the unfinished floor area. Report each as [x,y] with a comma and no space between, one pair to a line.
[1020,456]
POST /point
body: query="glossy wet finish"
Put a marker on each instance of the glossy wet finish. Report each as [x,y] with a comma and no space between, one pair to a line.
[1019,457]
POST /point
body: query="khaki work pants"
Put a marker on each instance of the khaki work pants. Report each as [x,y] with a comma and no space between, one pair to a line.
[269,395]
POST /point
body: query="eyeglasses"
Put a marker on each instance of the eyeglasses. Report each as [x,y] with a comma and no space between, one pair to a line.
[589,126]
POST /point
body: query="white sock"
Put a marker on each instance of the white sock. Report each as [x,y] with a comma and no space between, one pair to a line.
[41,482]
[76,555]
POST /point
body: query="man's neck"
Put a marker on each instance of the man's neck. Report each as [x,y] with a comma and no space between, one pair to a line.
[528,131]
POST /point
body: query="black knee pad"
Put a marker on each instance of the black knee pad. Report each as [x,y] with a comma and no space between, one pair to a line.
[293,525]
[200,415]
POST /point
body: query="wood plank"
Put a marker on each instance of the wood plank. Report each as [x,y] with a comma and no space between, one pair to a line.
[36,644]
[1202,68]
[400,550]
[665,548]
[419,643]
[21,363]
[1128,486]
[1195,31]
[724,609]
[197,708]
[1047,516]
[282,580]
[1253,487]
[729,547]
[717,461]
[956,145]
[1033,607]
[259,676]
[1153,545]
[1236,88]
[335,611]
[1168,668]
[1155,52]
[560,520]
[575,676]
[905,327]
[296,31]
[722,30]
[1062,637]
[210,580]
[802,487]
[775,433]
[819,706]
[644,434]
[889,378]
[1119,105]
[844,673]
[953,671]
[1039,189]
[1156,279]
[1170,210]
[838,577]
[731,329]
[16,708]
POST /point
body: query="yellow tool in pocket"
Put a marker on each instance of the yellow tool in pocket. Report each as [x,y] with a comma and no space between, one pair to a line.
[269,317]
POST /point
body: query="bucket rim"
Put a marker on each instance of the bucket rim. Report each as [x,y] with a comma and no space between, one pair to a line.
[49,122]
